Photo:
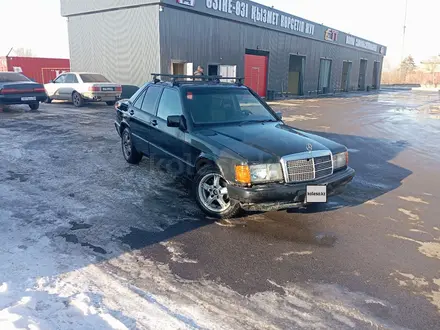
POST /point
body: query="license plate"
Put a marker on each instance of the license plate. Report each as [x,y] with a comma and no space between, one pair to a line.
[29,98]
[316,194]
[107,89]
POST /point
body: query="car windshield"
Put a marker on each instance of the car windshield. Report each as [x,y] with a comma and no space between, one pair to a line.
[224,105]
[93,78]
[12,77]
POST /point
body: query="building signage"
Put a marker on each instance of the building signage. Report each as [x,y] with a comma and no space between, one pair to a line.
[331,35]
[186,2]
[353,41]
[260,14]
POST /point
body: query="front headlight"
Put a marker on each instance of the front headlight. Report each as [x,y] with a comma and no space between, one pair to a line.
[266,173]
[340,160]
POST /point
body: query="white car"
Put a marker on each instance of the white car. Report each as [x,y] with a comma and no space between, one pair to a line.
[81,87]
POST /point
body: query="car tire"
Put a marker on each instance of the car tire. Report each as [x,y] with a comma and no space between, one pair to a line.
[110,103]
[210,191]
[34,106]
[77,100]
[131,155]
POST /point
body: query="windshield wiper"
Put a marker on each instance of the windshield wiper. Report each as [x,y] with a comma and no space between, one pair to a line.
[257,121]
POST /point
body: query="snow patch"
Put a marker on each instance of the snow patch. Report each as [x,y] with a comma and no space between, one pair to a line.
[176,251]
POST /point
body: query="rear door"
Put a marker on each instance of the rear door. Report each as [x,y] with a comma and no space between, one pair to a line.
[142,113]
[168,144]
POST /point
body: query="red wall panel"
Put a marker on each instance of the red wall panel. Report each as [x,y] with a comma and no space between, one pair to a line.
[255,73]
[40,69]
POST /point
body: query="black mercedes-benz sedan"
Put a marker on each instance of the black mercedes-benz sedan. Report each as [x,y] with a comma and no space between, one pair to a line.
[16,88]
[237,151]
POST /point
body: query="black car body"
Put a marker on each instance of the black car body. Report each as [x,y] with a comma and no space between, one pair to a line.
[236,149]
[16,88]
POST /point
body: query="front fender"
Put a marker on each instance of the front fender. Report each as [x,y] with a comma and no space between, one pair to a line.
[226,164]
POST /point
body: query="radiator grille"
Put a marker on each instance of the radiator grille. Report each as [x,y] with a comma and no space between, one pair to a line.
[308,169]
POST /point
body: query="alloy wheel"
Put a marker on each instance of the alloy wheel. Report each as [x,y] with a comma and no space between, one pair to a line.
[126,144]
[213,193]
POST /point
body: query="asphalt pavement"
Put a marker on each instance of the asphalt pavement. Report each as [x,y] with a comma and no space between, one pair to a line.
[370,258]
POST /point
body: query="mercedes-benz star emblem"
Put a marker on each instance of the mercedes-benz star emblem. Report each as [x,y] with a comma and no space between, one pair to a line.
[309,147]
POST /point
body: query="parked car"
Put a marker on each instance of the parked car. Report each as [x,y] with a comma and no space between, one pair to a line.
[81,87]
[15,88]
[237,151]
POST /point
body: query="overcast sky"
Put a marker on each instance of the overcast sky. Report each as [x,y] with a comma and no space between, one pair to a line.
[37,24]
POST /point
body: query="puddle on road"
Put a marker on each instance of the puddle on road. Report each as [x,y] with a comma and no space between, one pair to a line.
[281,228]
[70,238]
[139,238]
[428,111]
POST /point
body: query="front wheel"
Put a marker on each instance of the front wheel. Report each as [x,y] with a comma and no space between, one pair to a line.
[34,106]
[129,151]
[77,100]
[211,192]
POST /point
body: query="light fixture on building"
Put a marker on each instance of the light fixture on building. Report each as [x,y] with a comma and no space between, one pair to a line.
[160,8]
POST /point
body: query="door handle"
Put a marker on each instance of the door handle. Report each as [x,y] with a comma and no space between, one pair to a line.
[153,122]
[131,112]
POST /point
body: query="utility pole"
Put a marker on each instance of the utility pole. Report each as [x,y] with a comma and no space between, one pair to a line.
[404,31]
[402,54]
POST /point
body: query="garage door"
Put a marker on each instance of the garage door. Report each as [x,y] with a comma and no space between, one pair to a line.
[255,73]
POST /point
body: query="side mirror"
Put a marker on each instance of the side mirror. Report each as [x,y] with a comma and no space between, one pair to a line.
[279,115]
[51,82]
[121,105]
[177,121]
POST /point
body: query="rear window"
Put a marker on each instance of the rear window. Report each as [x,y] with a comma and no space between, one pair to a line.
[93,78]
[12,77]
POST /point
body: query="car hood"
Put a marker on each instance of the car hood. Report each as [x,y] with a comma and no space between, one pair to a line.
[267,142]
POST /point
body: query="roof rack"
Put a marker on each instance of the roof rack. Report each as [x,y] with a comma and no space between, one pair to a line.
[177,79]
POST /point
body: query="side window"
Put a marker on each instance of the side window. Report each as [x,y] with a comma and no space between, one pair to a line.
[170,104]
[138,103]
[61,79]
[150,99]
[71,79]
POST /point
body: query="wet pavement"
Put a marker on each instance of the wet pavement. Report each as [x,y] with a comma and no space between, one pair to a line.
[370,258]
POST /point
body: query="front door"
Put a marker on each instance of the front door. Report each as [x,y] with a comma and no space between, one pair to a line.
[168,145]
[53,89]
[70,85]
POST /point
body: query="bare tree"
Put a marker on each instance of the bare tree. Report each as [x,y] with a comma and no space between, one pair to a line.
[407,67]
[25,52]
[431,66]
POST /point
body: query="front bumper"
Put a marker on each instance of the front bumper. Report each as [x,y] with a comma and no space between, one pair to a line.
[282,196]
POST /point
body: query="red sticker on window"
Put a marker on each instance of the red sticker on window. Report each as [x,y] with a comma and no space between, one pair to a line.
[189,95]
